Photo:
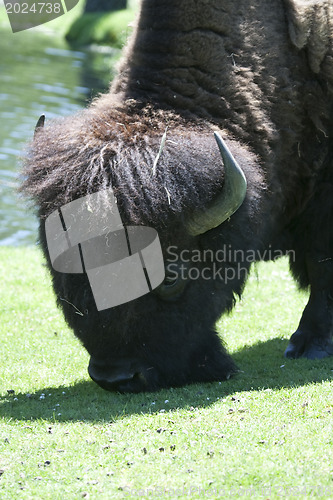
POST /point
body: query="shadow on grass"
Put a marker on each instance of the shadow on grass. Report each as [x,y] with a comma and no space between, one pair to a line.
[262,366]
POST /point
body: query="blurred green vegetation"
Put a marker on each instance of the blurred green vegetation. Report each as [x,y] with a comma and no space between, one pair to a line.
[58,26]
[105,28]
[82,29]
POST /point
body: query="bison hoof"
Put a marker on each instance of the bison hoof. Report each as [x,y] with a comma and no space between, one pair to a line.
[302,347]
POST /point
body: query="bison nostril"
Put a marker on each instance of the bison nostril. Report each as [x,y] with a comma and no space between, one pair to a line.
[137,383]
[122,376]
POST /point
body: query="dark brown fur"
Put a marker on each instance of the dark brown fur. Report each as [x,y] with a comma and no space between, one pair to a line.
[261,72]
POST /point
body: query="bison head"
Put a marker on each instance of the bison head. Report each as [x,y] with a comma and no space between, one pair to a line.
[172,176]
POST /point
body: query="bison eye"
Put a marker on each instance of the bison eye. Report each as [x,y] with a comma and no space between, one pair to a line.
[172,286]
[170,281]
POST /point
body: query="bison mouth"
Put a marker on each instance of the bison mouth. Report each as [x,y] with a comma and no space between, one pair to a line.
[125,375]
[203,362]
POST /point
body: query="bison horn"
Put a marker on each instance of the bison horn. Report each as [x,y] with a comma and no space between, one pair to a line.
[228,201]
[40,123]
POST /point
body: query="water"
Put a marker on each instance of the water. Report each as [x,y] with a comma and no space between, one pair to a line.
[39,74]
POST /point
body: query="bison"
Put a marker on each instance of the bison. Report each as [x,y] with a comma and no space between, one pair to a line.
[258,75]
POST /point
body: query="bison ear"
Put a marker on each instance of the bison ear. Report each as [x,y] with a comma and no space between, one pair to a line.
[39,124]
[228,201]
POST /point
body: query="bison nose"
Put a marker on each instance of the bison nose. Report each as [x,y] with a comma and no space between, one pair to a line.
[123,375]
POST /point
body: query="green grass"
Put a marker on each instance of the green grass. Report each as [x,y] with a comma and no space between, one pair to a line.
[266,432]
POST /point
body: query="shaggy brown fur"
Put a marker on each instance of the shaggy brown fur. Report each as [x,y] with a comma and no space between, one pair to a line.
[262,73]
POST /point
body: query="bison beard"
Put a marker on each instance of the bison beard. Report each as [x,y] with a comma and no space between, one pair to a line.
[259,72]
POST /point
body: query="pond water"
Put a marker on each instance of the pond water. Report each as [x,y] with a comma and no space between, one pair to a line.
[39,73]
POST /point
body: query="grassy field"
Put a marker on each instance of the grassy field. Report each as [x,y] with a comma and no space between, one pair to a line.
[266,433]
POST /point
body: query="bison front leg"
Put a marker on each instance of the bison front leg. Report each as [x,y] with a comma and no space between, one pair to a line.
[313,337]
